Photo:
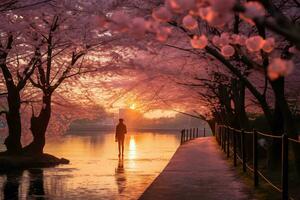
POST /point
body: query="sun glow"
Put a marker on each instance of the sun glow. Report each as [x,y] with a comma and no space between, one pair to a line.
[132,106]
[159,113]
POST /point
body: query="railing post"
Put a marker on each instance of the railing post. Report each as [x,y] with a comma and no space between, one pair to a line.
[234,148]
[181,139]
[204,132]
[215,130]
[218,134]
[186,135]
[220,137]
[197,133]
[193,133]
[228,143]
[224,138]
[255,158]
[244,150]
[285,166]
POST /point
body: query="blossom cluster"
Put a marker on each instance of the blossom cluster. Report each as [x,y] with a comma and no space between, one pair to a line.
[190,13]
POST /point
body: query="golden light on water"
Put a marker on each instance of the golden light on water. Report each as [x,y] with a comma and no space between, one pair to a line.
[95,171]
[132,148]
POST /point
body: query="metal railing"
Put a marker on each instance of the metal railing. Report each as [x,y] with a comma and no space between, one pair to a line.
[190,134]
[228,137]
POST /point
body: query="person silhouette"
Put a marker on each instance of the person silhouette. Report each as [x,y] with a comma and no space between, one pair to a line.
[121,130]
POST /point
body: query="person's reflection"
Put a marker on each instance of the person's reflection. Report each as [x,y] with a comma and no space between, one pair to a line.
[120,176]
[11,186]
[36,186]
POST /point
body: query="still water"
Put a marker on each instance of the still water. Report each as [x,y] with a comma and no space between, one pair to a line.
[95,172]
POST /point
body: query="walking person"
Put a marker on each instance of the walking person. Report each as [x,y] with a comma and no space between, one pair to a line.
[121,130]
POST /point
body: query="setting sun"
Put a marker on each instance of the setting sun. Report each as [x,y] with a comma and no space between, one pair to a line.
[132,106]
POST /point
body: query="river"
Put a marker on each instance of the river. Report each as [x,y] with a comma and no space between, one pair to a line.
[95,172]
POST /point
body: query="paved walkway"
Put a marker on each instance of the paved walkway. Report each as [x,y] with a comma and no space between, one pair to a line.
[198,170]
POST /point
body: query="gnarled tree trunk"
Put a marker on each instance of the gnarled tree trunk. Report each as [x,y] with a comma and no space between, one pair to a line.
[38,128]
[13,140]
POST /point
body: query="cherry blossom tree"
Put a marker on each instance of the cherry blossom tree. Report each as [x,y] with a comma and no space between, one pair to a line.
[217,28]
[42,42]
[18,61]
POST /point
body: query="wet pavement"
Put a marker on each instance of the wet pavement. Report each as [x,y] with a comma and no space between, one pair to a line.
[198,170]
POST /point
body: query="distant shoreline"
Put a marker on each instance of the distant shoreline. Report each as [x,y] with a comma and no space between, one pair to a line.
[72,131]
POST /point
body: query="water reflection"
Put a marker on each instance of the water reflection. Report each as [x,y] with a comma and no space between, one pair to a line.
[120,176]
[28,184]
[95,172]
[36,186]
[11,185]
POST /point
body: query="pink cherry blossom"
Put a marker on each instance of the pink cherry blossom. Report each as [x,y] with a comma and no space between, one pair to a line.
[180,5]
[205,12]
[214,18]
[152,26]
[199,42]
[163,33]
[189,22]
[234,39]
[273,75]
[221,5]
[294,50]
[253,9]
[216,40]
[254,43]
[139,26]
[120,21]
[241,39]
[162,14]
[280,67]
[224,39]
[227,50]
[269,45]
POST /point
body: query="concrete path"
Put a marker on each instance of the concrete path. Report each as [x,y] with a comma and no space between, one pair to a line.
[198,170]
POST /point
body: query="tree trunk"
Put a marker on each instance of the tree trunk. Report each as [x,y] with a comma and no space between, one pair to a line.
[238,91]
[277,128]
[211,124]
[225,101]
[289,121]
[38,128]
[13,140]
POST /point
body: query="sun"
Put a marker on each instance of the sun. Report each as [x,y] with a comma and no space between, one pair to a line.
[132,106]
